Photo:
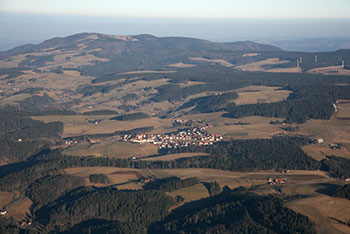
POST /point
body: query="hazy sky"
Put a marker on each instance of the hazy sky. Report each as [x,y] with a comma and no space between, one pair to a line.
[185,8]
[32,21]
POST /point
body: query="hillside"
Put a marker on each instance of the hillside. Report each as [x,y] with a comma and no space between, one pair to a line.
[135,43]
[140,134]
[83,71]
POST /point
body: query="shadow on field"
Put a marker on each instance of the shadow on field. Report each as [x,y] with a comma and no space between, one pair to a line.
[327,189]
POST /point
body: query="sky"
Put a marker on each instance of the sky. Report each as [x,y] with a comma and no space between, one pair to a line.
[185,8]
[32,21]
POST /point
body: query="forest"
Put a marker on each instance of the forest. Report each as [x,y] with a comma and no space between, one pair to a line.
[337,166]
[209,104]
[170,184]
[22,137]
[47,189]
[137,207]
[101,112]
[250,155]
[234,211]
[99,178]
[231,211]
[132,116]
[305,103]
[343,191]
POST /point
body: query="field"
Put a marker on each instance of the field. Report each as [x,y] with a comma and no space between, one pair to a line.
[285,70]
[334,130]
[333,70]
[189,194]
[231,179]
[260,94]
[181,65]
[56,85]
[5,198]
[61,87]
[321,207]
[146,72]
[79,124]
[228,178]
[258,66]
[112,148]
[251,54]
[112,100]
[219,61]
[19,208]
[122,178]
[257,127]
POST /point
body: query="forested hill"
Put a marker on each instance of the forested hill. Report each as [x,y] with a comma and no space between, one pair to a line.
[139,43]
[115,54]
[234,211]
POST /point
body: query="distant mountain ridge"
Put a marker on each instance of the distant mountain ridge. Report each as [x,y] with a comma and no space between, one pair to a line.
[108,54]
[180,43]
[99,55]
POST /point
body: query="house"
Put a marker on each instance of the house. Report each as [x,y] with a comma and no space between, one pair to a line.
[320,140]
[94,141]
[335,146]
[276,181]
[283,171]
[3,212]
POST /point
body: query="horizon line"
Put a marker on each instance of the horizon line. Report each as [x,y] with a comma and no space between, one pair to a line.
[164,17]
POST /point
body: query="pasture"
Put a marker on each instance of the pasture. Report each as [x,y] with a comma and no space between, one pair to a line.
[192,193]
[258,66]
[112,148]
[320,206]
[122,178]
[334,130]
[81,124]
[260,94]
[332,70]
[20,208]
[216,61]
[181,65]
[5,198]
[256,126]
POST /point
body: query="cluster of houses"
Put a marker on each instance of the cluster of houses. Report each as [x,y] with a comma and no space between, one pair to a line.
[185,138]
[26,222]
[89,139]
[276,181]
[70,142]
[335,146]
[23,223]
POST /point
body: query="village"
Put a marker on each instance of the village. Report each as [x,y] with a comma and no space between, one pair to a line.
[195,136]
